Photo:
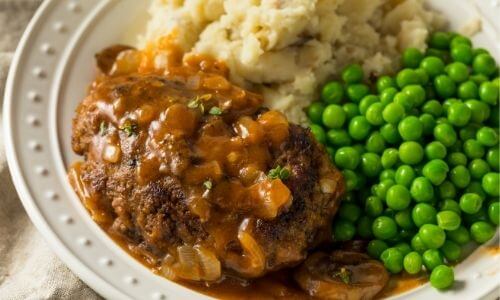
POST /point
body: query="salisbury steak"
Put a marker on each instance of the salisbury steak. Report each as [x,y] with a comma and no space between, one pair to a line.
[197,178]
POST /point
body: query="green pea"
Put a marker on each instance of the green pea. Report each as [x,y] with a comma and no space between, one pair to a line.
[347,158]
[411,153]
[432,65]
[440,40]
[357,91]
[442,277]
[480,111]
[448,103]
[390,133]
[387,174]
[387,95]
[410,128]
[364,227]
[393,113]
[494,212]
[416,92]
[351,110]
[470,203]
[447,190]
[370,164]
[412,57]
[432,258]
[432,236]
[451,205]
[460,236]
[318,133]
[405,100]
[343,230]
[460,176]
[359,128]
[403,247]
[468,132]
[491,184]
[487,136]
[374,206]
[459,114]
[315,112]
[484,64]
[384,228]
[448,220]
[433,107]
[389,158]
[477,51]
[351,180]
[473,149]
[417,244]
[406,77]
[366,102]
[404,220]
[332,92]
[398,197]
[445,134]
[468,90]
[460,40]
[435,170]
[376,247]
[478,168]
[488,93]
[457,71]
[404,175]
[462,53]
[383,186]
[422,190]
[478,78]
[349,211]
[374,114]
[375,143]
[385,82]
[334,116]
[492,158]
[457,159]
[352,73]
[393,260]
[428,123]
[423,213]
[481,232]
[435,150]
[445,86]
[451,251]
[412,263]
[338,137]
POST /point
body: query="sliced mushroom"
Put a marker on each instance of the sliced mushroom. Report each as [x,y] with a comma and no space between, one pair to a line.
[341,275]
[106,57]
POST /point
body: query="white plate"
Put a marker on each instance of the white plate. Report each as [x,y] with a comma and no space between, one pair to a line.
[50,72]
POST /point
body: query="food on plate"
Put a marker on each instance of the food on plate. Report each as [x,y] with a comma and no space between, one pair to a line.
[414,151]
[287,49]
[195,176]
[205,156]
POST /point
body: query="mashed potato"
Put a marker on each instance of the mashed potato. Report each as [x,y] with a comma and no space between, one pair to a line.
[286,49]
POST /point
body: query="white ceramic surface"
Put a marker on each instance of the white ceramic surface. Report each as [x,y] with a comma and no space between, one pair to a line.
[50,72]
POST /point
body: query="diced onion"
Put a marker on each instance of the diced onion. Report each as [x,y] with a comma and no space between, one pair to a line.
[111,153]
[210,265]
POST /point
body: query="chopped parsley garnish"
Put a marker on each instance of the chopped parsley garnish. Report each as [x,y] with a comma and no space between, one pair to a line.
[197,102]
[208,184]
[103,127]
[279,172]
[215,111]
[129,128]
[344,275]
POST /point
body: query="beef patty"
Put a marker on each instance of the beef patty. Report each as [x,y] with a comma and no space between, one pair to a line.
[196,178]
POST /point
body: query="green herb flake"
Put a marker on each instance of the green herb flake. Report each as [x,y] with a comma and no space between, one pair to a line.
[194,103]
[344,275]
[103,127]
[279,172]
[215,111]
[208,184]
[129,128]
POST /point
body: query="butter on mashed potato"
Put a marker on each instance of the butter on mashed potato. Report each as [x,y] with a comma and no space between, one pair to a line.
[286,49]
